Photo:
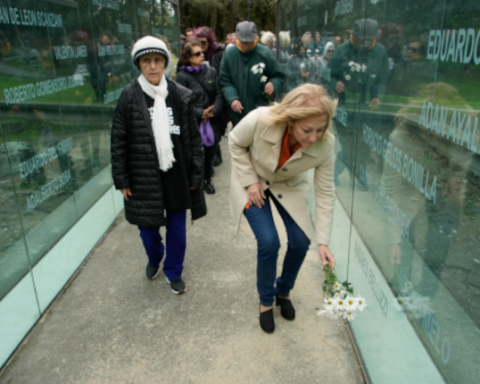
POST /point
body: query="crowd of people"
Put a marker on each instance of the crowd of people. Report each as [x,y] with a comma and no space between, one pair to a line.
[279,99]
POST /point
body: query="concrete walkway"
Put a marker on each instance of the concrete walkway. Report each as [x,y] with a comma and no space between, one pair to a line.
[112,325]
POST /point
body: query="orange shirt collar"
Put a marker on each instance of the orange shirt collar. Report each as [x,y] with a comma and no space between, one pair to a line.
[285,153]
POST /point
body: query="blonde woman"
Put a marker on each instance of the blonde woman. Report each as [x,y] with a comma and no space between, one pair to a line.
[271,149]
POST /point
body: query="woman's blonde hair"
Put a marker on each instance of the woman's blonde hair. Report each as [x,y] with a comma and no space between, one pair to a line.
[304,101]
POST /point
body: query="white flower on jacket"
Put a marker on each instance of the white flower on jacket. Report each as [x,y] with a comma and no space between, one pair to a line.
[264,79]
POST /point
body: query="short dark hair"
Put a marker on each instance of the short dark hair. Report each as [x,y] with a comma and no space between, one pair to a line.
[187,52]
[188,30]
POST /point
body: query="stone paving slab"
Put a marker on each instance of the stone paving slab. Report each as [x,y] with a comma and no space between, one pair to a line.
[112,325]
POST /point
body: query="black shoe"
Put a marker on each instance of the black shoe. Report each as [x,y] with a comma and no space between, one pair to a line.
[152,272]
[178,286]
[266,321]
[287,310]
[209,188]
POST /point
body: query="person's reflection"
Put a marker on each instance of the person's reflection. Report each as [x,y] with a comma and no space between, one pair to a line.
[360,65]
[284,41]
[346,35]
[391,39]
[319,66]
[433,220]
[47,60]
[31,55]
[414,72]
[108,42]
[298,67]
[4,46]
[95,64]
[318,42]
[307,40]
[130,68]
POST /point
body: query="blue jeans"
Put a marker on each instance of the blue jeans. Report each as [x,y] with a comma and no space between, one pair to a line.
[261,222]
[176,242]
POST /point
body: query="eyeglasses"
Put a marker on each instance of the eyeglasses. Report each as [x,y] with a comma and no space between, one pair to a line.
[413,49]
[330,51]
[203,42]
[198,54]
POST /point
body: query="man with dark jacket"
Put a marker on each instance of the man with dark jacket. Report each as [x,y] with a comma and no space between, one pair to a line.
[249,73]
[157,159]
[361,64]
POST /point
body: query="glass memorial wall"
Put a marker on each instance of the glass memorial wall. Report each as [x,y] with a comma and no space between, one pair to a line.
[407,173]
[63,65]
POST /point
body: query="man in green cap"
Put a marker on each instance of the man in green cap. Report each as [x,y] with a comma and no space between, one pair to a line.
[250,75]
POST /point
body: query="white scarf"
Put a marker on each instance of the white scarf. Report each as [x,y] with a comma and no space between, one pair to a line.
[160,121]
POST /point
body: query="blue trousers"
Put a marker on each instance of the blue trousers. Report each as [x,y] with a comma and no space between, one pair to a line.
[176,244]
[261,222]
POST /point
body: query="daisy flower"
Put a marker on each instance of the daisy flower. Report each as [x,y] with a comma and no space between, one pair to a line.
[361,304]
[337,286]
[351,303]
[264,79]
[261,65]
[408,286]
[347,77]
[329,304]
[334,314]
[349,315]
[364,68]
[408,303]
[343,294]
[340,305]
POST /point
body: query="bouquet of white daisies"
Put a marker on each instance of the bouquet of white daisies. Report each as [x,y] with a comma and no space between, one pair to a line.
[338,298]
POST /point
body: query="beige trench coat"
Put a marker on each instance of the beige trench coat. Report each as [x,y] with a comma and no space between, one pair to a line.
[255,147]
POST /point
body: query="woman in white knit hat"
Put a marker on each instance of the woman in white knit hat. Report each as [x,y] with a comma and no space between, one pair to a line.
[157,159]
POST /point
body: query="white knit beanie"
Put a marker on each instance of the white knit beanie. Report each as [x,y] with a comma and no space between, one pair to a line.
[150,44]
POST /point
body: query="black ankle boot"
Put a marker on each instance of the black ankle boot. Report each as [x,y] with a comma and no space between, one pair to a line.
[266,321]
[287,310]
[209,188]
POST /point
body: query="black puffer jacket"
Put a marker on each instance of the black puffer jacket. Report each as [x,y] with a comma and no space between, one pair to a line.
[216,58]
[209,78]
[135,161]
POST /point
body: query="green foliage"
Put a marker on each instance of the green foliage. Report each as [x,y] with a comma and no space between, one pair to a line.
[223,16]
[331,279]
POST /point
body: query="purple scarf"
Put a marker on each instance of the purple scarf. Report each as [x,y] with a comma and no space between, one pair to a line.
[191,69]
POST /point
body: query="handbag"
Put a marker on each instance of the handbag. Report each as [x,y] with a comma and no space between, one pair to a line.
[206,130]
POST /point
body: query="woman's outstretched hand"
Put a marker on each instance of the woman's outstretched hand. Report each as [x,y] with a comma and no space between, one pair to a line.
[256,195]
[326,255]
